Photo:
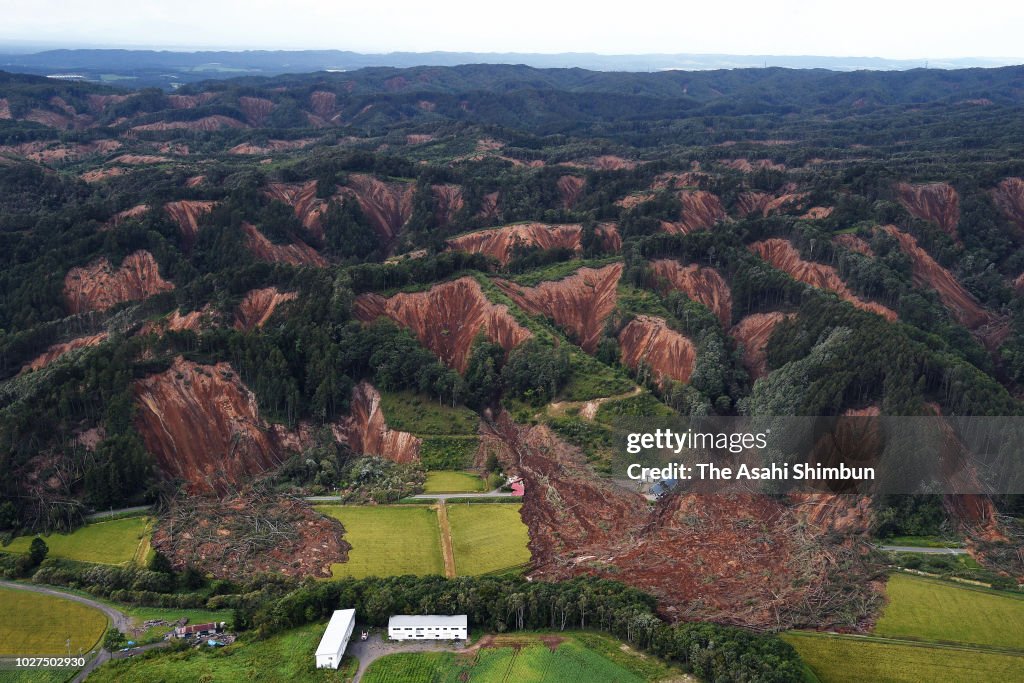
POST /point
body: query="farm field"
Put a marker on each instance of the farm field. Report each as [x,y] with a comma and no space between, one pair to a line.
[284,657]
[44,623]
[926,609]
[388,540]
[527,658]
[487,538]
[837,659]
[452,482]
[113,542]
[143,614]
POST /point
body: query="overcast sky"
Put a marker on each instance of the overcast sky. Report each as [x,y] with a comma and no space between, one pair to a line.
[901,29]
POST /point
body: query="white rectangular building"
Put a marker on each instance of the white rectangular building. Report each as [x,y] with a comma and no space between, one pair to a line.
[428,627]
[332,645]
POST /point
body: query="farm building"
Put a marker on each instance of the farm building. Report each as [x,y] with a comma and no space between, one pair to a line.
[199,630]
[428,627]
[332,645]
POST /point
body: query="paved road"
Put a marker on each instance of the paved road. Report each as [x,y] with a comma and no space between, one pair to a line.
[114,513]
[496,493]
[117,618]
[373,648]
[924,551]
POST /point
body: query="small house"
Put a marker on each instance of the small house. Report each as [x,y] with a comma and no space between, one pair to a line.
[428,627]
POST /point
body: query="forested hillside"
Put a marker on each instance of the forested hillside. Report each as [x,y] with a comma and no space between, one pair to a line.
[233,283]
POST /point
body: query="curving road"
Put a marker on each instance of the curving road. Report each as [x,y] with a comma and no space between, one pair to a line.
[119,619]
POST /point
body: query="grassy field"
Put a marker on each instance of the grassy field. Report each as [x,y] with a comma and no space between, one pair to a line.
[115,542]
[37,624]
[452,482]
[921,541]
[388,540]
[284,657]
[525,659]
[487,538]
[926,609]
[856,660]
[421,415]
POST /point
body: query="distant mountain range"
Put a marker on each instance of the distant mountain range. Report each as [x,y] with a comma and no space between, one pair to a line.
[168,69]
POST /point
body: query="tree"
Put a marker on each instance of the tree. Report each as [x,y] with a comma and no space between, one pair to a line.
[38,550]
[114,640]
[158,562]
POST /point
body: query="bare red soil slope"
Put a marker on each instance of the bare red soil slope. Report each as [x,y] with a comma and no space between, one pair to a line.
[854,243]
[570,188]
[98,286]
[127,214]
[935,202]
[701,210]
[1009,197]
[650,340]
[703,285]
[296,253]
[366,431]
[203,426]
[927,272]
[57,350]
[500,243]
[784,256]
[447,318]
[697,554]
[257,307]
[579,304]
[176,322]
[387,205]
[309,208]
[449,202]
[753,332]
[187,213]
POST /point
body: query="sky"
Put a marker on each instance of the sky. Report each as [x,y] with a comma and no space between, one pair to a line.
[895,29]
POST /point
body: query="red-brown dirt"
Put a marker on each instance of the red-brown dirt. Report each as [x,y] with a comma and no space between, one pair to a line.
[190,101]
[1018,284]
[747,166]
[202,425]
[928,273]
[447,318]
[365,429]
[258,305]
[605,162]
[570,189]
[701,210]
[500,243]
[5,109]
[176,322]
[187,213]
[296,253]
[324,104]
[784,256]
[98,286]
[817,213]
[122,216]
[703,285]
[139,159]
[418,138]
[387,205]
[256,109]
[57,350]
[1009,197]
[854,243]
[760,203]
[935,202]
[489,206]
[309,208]
[673,180]
[634,200]
[207,123]
[100,174]
[449,203]
[270,146]
[579,304]
[753,333]
[731,558]
[195,181]
[666,352]
[249,532]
